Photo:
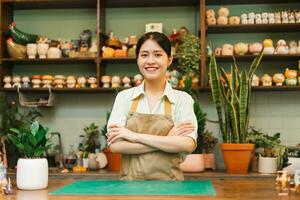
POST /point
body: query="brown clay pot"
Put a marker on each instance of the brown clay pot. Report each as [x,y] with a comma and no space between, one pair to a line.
[209,161]
[114,160]
[237,157]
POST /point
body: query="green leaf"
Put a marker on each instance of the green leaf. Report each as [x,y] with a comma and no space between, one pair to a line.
[34,127]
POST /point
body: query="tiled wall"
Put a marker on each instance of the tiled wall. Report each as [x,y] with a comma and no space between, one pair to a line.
[270,111]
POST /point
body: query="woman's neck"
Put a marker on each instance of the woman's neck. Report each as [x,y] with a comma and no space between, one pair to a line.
[154,87]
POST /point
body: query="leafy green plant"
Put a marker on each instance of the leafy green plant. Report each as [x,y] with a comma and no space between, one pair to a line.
[31,142]
[189,54]
[209,142]
[265,144]
[231,98]
[92,134]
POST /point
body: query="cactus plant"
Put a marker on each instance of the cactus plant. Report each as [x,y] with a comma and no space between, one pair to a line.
[231,98]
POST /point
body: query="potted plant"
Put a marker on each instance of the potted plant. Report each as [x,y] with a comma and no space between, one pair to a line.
[209,143]
[231,97]
[32,168]
[267,149]
[92,148]
[12,117]
[114,159]
[189,54]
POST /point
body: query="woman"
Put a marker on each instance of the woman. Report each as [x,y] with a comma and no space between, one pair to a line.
[141,124]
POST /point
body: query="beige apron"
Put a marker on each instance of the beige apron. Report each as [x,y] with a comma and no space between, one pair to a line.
[157,165]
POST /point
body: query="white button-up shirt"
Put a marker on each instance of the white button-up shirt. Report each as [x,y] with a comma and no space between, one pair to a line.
[182,106]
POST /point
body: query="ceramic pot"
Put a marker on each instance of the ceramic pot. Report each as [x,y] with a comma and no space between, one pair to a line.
[193,163]
[42,50]
[267,165]
[31,50]
[32,174]
[54,52]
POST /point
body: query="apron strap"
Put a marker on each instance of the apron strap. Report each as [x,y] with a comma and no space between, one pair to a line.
[167,107]
[167,103]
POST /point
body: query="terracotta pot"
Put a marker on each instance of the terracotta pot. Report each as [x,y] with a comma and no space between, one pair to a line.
[193,163]
[209,159]
[237,157]
[114,160]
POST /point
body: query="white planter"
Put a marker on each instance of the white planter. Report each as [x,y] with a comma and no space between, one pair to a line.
[193,163]
[267,165]
[85,162]
[32,174]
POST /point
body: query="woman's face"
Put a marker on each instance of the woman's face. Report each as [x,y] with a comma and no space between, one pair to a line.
[153,61]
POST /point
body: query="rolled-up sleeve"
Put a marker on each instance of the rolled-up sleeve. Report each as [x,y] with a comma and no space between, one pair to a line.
[185,113]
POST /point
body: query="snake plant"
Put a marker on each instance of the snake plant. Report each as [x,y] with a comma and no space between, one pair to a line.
[231,97]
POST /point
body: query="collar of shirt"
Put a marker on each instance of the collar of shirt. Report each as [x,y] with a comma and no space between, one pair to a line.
[168,92]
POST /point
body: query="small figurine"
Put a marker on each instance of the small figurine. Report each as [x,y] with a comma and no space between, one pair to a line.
[115,81]
[126,81]
[31,50]
[131,52]
[85,38]
[92,81]
[66,47]
[59,81]
[266,80]
[268,47]
[81,81]
[293,47]
[112,40]
[71,82]
[227,50]
[7,82]
[54,51]
[234,20]
[133,40]
[25,82]
[16,81]
[255,80]
[121,53]
[255,48]
[138,79]
[105,81]
[291,77]
[47,81]
[282,48]
[36,81]
[108,52]
[241,48]
[278,79]
[218,51]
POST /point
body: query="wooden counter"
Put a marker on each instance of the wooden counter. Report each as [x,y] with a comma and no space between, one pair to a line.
[227,187]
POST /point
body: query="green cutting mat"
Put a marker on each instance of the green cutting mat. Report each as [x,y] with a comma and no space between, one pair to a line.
[117,187]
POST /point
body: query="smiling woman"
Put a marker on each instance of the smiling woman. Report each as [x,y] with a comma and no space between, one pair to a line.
[152,125]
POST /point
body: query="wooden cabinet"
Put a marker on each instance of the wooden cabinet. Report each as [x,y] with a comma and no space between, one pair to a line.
[8,8]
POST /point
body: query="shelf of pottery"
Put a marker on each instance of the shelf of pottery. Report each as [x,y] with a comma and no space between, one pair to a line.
[220,21]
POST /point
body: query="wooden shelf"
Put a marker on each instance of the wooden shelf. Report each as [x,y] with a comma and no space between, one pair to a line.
[253,28]
[60,90]
[59,60]
[283,88]
[152,3]
[287,57]
[226,2]
[50,4]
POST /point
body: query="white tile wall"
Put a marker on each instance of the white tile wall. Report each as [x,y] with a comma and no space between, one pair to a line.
[270,111]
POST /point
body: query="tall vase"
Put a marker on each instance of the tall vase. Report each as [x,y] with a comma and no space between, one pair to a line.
[32,174]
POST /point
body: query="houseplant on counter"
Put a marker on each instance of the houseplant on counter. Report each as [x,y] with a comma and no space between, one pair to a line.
[267,149]
[189,54]
[231,97]
[32,169]
[92,147]
[209,143]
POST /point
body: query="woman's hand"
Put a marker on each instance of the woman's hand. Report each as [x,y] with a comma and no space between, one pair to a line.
[183,128]
[117,132]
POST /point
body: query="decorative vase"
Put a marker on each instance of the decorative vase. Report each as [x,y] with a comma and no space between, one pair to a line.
[237,157]
[31,50]
[32,174]
[42,50]
[193,163]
